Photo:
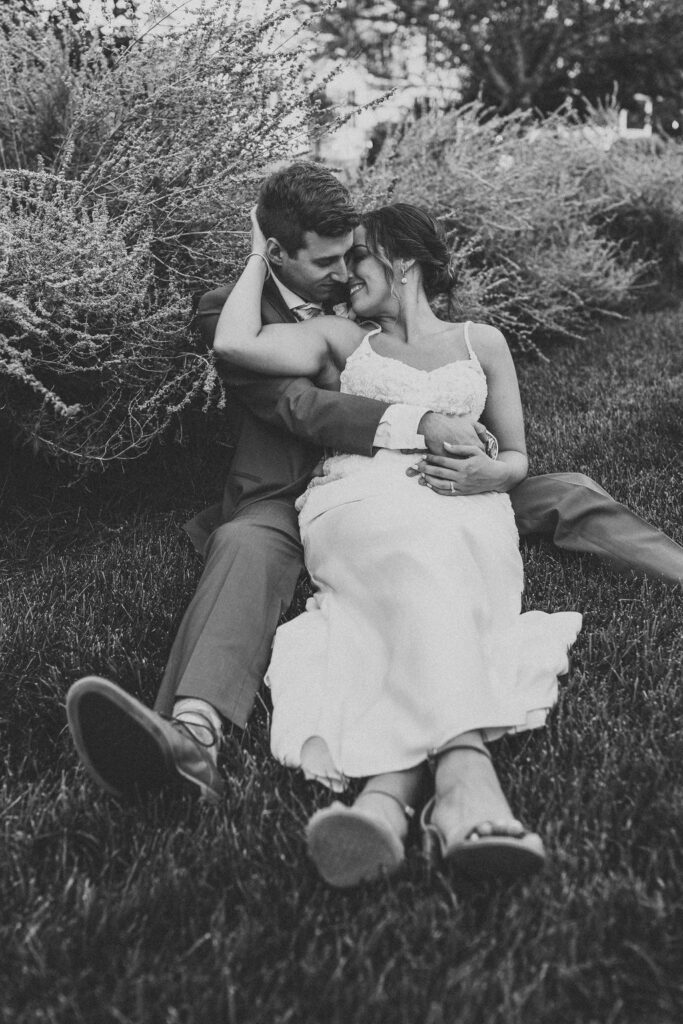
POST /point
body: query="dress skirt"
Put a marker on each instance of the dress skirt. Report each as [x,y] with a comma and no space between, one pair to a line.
[414,633]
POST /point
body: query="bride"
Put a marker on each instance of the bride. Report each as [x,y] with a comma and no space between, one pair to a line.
[413,647]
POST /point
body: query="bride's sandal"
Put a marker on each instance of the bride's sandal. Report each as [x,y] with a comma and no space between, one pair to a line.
[479,851]
[348,846]
[482,856]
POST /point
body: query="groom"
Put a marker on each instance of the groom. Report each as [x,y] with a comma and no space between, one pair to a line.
[250,542]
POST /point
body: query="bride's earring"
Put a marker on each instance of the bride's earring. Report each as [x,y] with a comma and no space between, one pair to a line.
[404,279]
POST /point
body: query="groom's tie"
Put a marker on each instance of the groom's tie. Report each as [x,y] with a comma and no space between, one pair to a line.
[306,311]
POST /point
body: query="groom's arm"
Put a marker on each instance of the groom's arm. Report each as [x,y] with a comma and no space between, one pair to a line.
[329,418]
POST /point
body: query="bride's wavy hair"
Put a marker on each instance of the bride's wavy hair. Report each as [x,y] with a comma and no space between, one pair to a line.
[403,231]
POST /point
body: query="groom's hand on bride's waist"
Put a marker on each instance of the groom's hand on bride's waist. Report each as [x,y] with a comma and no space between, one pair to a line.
[438,430]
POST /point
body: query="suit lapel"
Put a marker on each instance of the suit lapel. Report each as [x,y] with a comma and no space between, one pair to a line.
[273,306]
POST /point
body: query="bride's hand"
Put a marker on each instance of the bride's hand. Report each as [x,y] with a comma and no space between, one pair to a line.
[258,239]
[467,471]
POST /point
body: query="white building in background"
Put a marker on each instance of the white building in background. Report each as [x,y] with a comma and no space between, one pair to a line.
[353,88]
[410,83]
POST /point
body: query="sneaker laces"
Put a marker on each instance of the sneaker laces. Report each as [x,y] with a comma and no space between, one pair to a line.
[188,727]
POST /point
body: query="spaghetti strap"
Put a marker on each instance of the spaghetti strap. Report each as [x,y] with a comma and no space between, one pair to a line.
[469,343]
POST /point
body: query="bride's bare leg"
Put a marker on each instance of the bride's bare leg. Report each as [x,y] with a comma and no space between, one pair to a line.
[469,824]
[356,844]
[468,793]
[392,797]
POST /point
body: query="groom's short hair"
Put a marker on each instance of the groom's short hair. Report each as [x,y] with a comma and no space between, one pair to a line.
[304,197]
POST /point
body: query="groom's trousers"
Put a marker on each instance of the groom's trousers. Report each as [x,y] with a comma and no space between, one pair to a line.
[252,564]
[578,515]
[222,648]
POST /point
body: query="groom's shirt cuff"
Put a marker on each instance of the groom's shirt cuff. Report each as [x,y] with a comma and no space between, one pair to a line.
[398,427]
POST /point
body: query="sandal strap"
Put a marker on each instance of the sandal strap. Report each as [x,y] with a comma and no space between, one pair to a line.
[408,811]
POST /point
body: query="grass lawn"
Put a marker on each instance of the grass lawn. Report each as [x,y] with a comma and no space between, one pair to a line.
[172,912]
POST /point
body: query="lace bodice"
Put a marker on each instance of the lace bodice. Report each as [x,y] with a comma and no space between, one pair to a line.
[456,388]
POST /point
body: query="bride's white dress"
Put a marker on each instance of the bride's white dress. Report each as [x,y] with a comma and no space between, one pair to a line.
[414,633]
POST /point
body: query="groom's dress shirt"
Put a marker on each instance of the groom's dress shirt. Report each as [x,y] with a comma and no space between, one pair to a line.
[398,427]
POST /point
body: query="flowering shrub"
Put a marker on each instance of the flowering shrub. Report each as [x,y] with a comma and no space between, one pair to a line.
[38,85]
[87,360]
[125,189]
[548,230]
[645,211]
[153,167]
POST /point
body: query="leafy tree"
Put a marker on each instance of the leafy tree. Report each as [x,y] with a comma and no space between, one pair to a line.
[642,53]
[523,54]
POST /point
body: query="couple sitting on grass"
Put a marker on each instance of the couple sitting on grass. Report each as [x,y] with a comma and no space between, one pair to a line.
[413,654]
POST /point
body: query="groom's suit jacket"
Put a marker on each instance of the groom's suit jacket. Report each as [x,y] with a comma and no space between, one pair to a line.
[279,425]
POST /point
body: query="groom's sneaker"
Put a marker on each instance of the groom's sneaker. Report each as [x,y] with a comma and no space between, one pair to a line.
[127,748]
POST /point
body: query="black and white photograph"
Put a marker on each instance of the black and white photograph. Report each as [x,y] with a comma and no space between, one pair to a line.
[341,503]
